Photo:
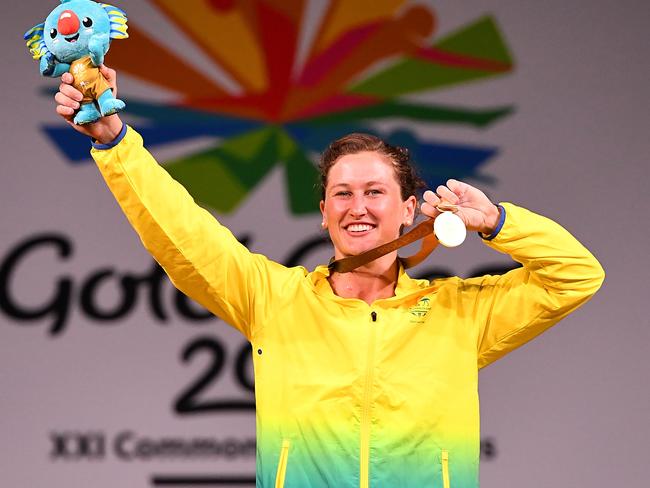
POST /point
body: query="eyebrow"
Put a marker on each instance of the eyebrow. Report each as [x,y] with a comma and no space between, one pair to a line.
[370,183]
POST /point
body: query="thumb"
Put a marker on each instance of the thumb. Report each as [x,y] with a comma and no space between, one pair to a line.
[108,73]
[111,77]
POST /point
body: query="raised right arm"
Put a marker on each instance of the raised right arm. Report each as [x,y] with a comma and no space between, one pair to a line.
[202,258]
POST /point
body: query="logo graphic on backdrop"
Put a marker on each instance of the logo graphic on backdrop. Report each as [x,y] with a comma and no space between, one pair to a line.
[361,63]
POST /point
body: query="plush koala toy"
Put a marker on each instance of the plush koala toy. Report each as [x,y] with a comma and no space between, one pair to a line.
[75,37]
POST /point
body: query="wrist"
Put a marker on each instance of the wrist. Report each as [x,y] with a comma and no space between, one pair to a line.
[491,234]
[112,142]
[110,130]
[491,220]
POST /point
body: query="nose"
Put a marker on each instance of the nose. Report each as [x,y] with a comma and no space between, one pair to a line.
[68,23]
[358,206]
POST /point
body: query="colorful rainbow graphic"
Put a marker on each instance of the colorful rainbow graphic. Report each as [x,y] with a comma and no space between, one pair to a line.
[364,58]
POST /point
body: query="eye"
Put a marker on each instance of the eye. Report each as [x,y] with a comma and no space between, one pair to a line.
[342,193]
[87,21]
[53,33]
[374,192]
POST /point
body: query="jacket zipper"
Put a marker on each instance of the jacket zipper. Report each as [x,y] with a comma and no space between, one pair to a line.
[282,464]
[445,469]
[364,455]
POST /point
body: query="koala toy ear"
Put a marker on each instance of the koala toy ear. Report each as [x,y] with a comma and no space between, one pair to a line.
[118,21]
[35,41]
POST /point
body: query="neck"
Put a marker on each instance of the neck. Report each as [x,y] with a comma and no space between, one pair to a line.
[370,282]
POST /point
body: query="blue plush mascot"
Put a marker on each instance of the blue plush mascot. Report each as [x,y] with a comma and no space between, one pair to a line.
[75,37]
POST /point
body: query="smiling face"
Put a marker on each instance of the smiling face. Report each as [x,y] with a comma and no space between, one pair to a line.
[363,207]
[69,27]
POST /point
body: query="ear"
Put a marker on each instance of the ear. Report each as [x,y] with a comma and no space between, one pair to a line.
[324,214]
[36,42]
[408,210]
[118,21]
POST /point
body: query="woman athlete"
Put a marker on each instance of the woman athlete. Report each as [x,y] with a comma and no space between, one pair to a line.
[367,378]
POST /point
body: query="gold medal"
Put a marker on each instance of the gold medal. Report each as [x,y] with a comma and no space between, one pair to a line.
[449,227]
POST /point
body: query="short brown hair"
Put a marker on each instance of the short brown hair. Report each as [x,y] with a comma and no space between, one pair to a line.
[409,181]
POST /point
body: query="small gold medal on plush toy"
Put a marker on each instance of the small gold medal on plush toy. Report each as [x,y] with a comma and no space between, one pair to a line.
[449,227]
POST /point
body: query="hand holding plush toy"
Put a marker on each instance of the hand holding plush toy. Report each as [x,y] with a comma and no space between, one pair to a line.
[75,37]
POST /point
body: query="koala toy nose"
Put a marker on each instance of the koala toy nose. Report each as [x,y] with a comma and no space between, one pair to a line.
[68,23]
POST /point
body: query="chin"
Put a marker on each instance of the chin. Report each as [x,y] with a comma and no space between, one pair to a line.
[358,248]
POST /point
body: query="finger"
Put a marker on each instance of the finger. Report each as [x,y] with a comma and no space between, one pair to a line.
[66,101]
[71,92]
[64,111]
[431,198]
[429,210]
[67,78]
[447,195]
[106,71]
[109,74]
[458,187]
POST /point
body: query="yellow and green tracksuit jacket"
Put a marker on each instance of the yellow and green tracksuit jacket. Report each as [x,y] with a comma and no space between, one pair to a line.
[350,394]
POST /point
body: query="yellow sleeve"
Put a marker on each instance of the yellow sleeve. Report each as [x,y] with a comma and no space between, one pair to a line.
[202,258]
[558,275]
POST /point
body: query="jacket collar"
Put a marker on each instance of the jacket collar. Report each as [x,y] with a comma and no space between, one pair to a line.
[405,284]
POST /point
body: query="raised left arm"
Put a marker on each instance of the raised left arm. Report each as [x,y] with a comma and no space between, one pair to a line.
[558,275]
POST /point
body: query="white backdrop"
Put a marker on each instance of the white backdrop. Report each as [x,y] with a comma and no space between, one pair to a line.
[568,410]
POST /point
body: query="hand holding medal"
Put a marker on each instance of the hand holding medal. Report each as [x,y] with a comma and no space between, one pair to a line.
[456,208]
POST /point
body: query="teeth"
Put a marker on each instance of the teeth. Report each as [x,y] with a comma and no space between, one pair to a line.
[359,227]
